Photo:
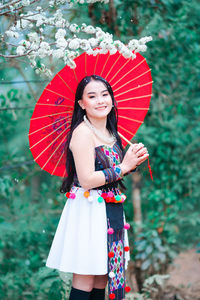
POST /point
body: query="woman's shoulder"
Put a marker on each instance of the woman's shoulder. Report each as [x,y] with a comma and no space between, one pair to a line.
[80,135]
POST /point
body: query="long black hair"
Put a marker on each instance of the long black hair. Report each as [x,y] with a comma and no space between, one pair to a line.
[77,118]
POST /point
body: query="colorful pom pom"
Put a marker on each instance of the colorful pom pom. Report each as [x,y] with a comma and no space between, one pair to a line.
[111,274]
[72,195]
[90,198]
[110,194]
[104,195]
[127,226]
[123,196]
[108,199]
[86,194]
[127,289]
[67,195]
[110,230]
[111,254]
[100,199]
[126,248]
[118,197]
[112,296]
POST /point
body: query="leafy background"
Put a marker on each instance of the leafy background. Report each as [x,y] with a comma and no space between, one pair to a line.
[30,200]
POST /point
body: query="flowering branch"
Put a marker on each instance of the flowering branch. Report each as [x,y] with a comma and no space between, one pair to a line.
[33,30]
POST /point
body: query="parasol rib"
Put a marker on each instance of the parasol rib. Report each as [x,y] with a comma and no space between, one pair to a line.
[105,64]
[58,105]
[133,108]
[96,63]
[85,64]
[127,118]
[53,152]
[47,136]
[50,144]
[134,98]
[135,88]
[59,94]
[133,79]
[47,126]
[113,66]
[58,161]
[65,83]
[120,69]
[45,116]
[131,133]
[75,76]
[64,173]
[129,72]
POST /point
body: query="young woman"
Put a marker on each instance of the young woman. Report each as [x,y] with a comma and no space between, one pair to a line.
[91,240]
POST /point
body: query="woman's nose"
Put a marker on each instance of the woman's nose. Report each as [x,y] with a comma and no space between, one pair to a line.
[100,99]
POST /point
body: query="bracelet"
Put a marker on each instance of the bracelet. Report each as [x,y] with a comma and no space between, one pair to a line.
[112,174]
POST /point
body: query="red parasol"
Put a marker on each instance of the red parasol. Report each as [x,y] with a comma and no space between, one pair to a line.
[50,123]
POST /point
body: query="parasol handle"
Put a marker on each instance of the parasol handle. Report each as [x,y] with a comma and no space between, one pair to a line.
[125,139]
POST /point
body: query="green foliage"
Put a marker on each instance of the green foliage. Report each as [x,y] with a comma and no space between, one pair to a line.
[30,200]
[152,288]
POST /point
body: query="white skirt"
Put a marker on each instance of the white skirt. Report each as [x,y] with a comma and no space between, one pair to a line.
[80,242]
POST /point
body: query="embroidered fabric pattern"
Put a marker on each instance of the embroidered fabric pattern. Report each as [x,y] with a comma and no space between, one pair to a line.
[112,174]
[116,264]
[112,154]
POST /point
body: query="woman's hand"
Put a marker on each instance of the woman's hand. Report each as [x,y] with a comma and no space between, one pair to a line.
[135,155]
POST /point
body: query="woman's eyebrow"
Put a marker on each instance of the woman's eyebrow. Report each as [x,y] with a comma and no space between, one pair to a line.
[95,92]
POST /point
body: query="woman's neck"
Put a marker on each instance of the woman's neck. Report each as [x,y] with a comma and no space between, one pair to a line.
[99,124]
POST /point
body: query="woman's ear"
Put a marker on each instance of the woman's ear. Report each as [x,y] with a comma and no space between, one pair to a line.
[80,102]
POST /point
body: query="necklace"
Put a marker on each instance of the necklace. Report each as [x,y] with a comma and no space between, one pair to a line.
[98,133]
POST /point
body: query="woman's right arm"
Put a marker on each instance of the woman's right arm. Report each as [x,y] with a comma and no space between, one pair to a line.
[82,148]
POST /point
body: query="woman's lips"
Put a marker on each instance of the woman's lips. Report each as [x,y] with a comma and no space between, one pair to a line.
[101,107]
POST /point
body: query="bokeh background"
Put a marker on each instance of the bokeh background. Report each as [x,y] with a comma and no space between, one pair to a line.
[165,213]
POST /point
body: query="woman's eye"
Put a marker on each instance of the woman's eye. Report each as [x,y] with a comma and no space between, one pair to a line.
[105,95]
[91,97]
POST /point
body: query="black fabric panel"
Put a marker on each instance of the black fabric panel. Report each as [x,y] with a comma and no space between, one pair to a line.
[114,212]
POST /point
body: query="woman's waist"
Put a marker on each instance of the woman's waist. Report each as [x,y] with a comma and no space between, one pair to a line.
[104,193]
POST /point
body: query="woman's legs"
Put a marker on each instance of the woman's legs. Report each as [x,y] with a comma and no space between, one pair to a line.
[83,282]
[100,281]
[88,287]
[81,287]
[98,291]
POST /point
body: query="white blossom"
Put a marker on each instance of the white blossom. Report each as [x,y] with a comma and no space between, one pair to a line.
[74,28]
[118,44]
[25,2]
[12,34]
[84,44]
[145,40]
[74,44]
[20,50]
[60,33]
[93,42]
[61,43]
[89,29]
[133,44]
[103,51]
[142,48]
[33,37]
[58,53]
[25,43]
[126,52]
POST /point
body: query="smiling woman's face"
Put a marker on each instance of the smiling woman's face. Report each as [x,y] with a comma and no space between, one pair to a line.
[96,100]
